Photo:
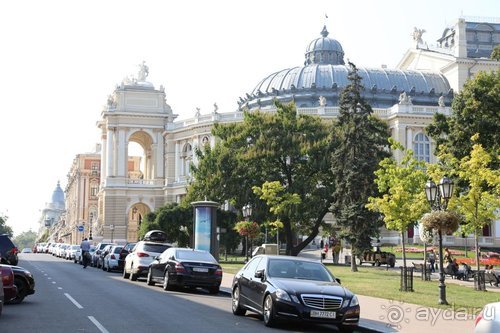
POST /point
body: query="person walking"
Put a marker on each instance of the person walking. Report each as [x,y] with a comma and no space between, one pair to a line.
[432,260]
[85,246]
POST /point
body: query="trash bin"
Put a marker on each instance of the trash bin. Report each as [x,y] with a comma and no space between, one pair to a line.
[479,281]
[406,279]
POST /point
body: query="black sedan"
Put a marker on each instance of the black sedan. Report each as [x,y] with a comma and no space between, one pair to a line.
[291,288]
[25,283]
[187,268]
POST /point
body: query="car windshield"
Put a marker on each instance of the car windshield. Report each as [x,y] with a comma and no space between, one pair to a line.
[194,255]
[295,269]
[117,249]
[158,248]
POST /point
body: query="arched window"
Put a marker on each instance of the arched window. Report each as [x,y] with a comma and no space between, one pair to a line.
[422,147]
[186,158]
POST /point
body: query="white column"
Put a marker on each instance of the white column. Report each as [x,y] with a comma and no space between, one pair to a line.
[121,148]
[110,153]
[104,149]
[159,149]
[409,138]
[177,169]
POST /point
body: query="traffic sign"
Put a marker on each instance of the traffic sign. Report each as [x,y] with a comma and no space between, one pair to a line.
[80,228]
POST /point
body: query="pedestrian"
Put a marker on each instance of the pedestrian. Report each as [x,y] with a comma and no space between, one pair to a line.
[321,244]
[325,250]
[447,256]
[85,246]
[336,253]
[432,260]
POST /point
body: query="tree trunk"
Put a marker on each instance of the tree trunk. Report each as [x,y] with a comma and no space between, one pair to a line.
[288,237]
[404,248]
[478,251]
[354,267]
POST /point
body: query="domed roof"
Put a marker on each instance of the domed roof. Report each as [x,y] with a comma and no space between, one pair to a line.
[58,195]
[324,50]
[324,74]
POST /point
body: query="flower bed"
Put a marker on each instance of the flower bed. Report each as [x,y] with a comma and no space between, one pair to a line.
[482,261]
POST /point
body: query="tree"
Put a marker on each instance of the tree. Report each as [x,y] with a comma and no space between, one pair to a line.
[495,55]
[4,228]
[401,184]
[290,148]
[247,229]
[25,239]
[362,145]
[474,110]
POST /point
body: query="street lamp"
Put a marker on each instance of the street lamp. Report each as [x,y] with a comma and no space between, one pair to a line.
[438,197]
[247,212]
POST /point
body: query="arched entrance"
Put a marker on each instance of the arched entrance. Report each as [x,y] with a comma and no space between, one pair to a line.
[135,217]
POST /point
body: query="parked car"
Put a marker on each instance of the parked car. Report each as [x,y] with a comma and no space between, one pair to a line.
[27,250]
[186,268]
[377,258]
[71,252]
[138,260]
[488,320]
[123,254]
[9,288]
[291,288]
[25,283]
[110,261]
[8,251]
[95,255]
[104,253]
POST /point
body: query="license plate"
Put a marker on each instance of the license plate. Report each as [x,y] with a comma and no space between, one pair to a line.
[323,314]
[198,269]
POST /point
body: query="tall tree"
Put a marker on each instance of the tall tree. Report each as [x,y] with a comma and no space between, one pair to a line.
[25,239]
[362,145]
[290,148]
[401,185]
[4,228]
[474,110]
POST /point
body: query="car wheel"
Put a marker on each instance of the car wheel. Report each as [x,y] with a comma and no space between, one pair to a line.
[235,303]
[125,274]
[108,268]
[269,313]
[166,282]
[149,279]
[213,290]
[22,290]
[133,277]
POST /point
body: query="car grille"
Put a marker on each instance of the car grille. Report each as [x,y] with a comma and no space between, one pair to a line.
[322,302]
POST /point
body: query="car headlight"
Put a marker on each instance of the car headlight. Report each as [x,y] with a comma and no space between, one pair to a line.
[354,301]
[282,295]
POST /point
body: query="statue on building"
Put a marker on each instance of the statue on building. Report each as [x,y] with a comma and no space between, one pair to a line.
[417,35]
[197,114]
[322,101]
[404,99]
[143,72]
[111,101]
[441,101]
[216,107]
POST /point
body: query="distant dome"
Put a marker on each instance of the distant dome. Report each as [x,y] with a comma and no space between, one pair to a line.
[58,196]
[324,50]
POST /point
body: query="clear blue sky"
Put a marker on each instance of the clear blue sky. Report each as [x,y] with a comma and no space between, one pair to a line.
[60,59]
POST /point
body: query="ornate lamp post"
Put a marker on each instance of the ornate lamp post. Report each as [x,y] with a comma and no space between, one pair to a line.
[438,197]
[247,212]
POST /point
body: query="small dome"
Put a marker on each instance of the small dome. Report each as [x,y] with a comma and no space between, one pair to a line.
[324,50]
[58,195]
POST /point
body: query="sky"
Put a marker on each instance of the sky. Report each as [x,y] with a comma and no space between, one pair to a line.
[60,60]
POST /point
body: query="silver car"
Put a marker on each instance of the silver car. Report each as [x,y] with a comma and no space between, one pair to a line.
[142,255]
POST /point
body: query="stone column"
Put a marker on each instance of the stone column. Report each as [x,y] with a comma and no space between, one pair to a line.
[110,152]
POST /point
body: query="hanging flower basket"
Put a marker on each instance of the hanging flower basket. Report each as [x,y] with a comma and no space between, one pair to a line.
[426,234]
[445,221]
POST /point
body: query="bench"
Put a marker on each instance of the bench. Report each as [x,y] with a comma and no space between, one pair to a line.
[491,278]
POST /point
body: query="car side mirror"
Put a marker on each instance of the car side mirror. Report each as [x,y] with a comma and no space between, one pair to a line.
[338,280]
[260,274]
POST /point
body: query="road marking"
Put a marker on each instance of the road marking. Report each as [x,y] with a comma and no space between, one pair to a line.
[98,324]
[73,301]
[59,288]
[53,282]
[49,278]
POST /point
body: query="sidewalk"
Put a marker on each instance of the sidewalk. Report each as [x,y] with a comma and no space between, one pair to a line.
[383,315]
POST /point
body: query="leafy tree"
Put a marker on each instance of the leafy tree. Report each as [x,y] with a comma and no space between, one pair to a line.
[479,200]
[177,222]
[363,143]
[286,147]
[401,184]
[4,228]
[495,55]
[474,110]
[248,229]
[25,239]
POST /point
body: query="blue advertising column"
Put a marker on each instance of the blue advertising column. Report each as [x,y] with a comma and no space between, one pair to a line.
[205,227]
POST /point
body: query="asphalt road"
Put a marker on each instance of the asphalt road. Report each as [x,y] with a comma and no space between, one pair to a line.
[69,299]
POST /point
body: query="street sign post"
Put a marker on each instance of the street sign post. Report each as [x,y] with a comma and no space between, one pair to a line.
[80,228]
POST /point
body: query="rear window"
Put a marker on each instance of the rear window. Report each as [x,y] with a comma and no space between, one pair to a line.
[158,248]
[117,249]
[194,255]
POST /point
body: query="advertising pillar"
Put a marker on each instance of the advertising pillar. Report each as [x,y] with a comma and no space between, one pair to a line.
[205,227]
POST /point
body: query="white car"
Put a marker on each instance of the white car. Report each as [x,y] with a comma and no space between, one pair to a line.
[70,252]
[488,320]
[142,255]
[110,261]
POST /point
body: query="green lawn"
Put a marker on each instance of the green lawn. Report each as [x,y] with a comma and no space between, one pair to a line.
[378,282]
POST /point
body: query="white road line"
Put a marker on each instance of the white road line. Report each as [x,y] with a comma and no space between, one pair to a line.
[53,282]
[73,301]
[59,288]
[98,324]
[49,278]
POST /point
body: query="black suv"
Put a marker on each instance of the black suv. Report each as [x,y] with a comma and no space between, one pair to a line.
[8,251]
